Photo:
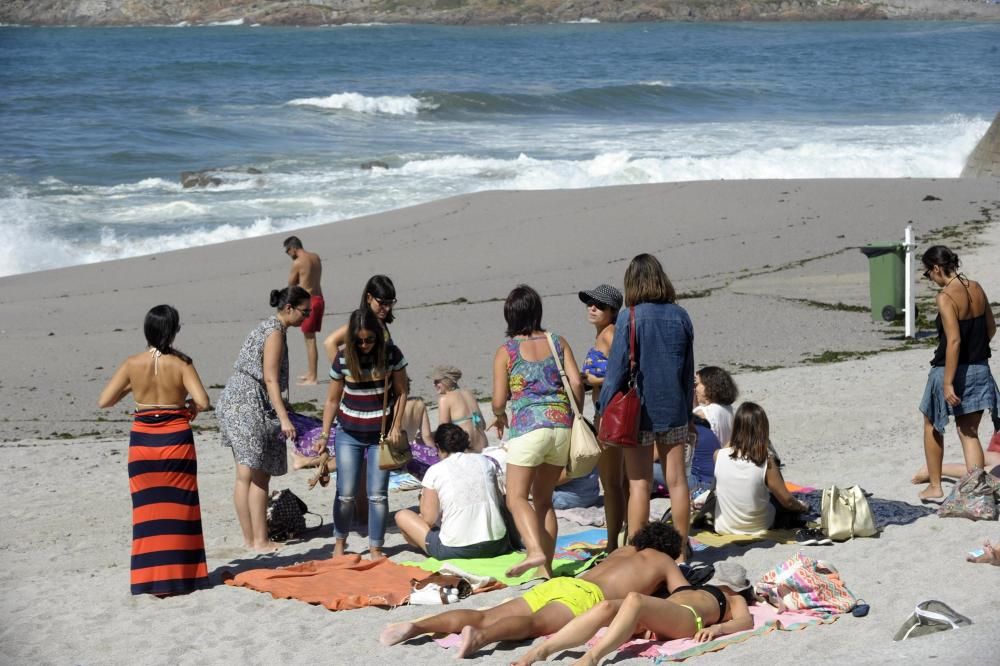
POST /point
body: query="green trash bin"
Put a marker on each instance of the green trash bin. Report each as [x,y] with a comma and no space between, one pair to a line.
[886,279]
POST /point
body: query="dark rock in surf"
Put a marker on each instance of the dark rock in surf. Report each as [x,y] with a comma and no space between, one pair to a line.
[191,179]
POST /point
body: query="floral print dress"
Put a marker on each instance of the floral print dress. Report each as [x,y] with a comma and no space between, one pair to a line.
[244,411]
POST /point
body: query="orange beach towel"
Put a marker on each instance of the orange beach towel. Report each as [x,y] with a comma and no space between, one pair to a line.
[340,583]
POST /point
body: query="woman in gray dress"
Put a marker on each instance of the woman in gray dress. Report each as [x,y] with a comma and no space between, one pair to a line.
[252,414]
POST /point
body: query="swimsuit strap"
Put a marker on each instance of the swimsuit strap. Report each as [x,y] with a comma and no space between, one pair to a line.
[698,622]
[145,406]
[719,595]
[156,354]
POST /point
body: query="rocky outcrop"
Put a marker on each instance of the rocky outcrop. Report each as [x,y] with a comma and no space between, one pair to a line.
[984,162]
[325,12]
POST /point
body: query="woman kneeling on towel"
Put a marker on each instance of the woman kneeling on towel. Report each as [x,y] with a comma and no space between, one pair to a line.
[461,491]
[703,612]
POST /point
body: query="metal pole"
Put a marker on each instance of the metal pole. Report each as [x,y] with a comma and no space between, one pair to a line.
[910,308]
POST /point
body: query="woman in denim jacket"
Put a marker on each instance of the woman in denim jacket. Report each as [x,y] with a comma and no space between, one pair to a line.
[664,350]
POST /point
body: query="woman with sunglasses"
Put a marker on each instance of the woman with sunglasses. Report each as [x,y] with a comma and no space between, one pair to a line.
[959,383]
[248,407]
[379,296]
[603,303]
[355,400]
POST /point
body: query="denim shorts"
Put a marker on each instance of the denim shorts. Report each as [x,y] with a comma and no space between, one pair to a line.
[974,384]
[439,551]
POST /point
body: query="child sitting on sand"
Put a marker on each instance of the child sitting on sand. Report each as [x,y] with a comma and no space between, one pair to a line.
[748,482]
[703,612]
[644,566]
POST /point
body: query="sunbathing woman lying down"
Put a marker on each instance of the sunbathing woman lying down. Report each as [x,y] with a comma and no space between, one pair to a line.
[702,612]
[644,566]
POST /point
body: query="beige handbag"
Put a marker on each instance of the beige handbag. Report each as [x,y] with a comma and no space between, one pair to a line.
[845,514]
[584,450]
[392,453]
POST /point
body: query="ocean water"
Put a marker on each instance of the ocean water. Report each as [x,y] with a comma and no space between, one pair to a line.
[97,124]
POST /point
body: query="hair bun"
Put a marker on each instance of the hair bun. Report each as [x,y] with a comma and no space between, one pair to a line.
[275,298]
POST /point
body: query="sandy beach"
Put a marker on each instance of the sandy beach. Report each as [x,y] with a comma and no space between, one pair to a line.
[769,271]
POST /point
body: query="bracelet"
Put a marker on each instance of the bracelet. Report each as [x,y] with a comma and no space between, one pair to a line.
[323,435]
[502,412]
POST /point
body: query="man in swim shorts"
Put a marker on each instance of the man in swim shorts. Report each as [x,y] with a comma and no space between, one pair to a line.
[306,273]
[640,567]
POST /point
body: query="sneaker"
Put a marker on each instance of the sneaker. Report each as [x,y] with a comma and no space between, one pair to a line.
[812,537]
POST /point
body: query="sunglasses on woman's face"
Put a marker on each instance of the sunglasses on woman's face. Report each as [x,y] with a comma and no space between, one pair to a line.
[369,340]
[927,274]
[385,302]
[599,306]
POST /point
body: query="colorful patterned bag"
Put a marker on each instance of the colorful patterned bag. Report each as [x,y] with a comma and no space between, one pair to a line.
[803,584]
[973,497]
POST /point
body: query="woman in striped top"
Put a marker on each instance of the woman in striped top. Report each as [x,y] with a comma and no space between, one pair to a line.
[168,549]
[355,400]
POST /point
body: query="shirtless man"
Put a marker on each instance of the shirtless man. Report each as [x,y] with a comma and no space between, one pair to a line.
[644,566]
[306,273]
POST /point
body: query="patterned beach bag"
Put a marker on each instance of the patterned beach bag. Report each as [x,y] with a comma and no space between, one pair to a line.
[803,584]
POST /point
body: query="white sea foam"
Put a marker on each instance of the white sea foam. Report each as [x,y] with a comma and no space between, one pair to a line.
[350,101]
[154,214]
[584,21]
[215,24]
[657,83]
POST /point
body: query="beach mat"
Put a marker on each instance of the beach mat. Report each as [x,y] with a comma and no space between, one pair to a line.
[339,583]
[766,619]
[709,539]
[575,553]
[886,512]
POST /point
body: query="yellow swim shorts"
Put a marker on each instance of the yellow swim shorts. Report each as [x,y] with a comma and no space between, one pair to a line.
[576,594]
[541,445]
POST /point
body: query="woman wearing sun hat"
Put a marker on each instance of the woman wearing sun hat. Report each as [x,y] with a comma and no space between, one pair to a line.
[703,612]
[603,303]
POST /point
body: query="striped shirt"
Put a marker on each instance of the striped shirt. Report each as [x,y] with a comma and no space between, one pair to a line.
[361,405]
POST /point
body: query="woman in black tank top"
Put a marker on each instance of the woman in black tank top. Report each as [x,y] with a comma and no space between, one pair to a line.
[960,383]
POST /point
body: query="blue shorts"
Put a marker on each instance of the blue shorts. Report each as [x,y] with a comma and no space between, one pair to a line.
[974,384]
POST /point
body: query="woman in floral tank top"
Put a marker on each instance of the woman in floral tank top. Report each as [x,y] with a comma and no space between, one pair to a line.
[526,375]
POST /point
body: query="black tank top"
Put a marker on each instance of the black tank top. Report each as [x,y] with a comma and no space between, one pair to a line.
[974,346]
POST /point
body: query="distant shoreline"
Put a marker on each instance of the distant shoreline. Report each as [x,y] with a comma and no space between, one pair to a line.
[192,13]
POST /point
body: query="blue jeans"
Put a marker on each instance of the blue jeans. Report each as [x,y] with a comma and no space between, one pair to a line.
[350,452]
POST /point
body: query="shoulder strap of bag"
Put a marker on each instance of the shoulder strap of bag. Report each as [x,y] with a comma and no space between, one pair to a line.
[562,374]
[385,403]
[631,342]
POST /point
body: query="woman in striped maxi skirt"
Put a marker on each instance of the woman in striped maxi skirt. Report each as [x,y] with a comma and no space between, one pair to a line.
[168,549]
